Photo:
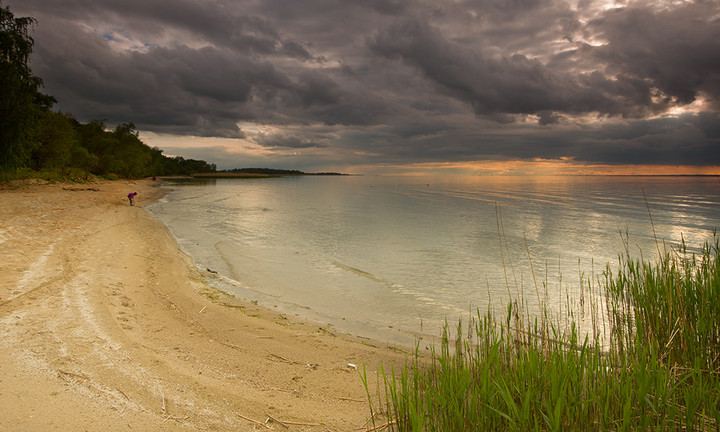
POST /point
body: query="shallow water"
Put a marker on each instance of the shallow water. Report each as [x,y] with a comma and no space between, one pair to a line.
[392,257]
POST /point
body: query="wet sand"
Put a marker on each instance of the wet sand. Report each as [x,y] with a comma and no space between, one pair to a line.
[105,324]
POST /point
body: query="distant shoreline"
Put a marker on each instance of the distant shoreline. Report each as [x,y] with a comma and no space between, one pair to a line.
[261,173]
[270,173]
[232,175]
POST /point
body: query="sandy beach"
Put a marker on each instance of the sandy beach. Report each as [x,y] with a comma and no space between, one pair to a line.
[106,325]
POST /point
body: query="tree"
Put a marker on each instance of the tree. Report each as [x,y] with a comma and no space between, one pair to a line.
[132,155]
[54,141]
[20,101]
[81,158]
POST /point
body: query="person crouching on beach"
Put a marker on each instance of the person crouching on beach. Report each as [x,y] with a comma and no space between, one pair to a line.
[131,197]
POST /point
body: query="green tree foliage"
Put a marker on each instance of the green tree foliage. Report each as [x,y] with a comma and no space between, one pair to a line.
[21,104]
[82,159]
[55,142]
[121,152]
[180,165]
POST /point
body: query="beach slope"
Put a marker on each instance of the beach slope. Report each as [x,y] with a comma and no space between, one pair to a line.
[106,325]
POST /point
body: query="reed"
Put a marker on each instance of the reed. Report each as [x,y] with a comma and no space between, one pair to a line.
[659,368]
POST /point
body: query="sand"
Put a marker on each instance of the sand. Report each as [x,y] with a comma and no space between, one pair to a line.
[106,325]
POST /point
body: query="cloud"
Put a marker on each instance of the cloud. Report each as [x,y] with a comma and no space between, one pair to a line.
[288,141]
[636,73]
[401,81]
[675,50]
[689,139]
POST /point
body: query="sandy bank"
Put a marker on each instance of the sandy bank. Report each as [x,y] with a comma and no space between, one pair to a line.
[106,325]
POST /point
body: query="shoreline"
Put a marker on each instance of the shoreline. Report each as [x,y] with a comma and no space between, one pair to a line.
[107,325]
[217,274]
[399,340]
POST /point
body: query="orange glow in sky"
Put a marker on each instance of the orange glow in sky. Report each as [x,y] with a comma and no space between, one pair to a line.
[253,155]
[539,167]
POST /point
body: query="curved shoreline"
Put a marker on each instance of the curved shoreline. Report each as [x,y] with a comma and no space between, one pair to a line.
[106,325]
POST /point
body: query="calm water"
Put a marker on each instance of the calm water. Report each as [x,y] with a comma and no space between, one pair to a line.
[391,258]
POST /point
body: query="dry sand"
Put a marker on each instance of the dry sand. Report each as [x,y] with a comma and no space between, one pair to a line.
[105,325]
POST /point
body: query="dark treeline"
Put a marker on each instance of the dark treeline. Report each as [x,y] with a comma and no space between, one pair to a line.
[64,144]
[33,137]
[266,171]
[272,171]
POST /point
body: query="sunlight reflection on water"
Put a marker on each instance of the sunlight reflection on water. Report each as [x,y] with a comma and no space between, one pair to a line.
[386,257]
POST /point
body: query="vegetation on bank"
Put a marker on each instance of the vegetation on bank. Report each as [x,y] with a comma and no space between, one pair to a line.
[657,368]
[34,138]
[66,149]
[260,172]
[277,172]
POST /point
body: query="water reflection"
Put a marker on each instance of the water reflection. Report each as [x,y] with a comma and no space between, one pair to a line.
[365,253]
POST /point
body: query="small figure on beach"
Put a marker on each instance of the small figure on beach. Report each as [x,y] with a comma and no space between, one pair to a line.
[131,197]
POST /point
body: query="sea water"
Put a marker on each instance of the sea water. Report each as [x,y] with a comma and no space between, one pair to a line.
[394,258]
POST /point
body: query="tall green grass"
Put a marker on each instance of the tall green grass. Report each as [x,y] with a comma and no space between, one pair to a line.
[659,368]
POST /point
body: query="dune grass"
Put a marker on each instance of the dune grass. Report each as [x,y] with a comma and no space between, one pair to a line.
[657,369]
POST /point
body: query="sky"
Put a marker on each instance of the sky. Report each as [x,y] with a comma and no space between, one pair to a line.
[479,87]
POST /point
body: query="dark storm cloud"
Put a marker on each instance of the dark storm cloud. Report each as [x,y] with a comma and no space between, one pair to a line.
[643,68]
[289,141]
[677,51]
[211,21]
[396,81]
[514,85]
[197,91]
[691,139]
